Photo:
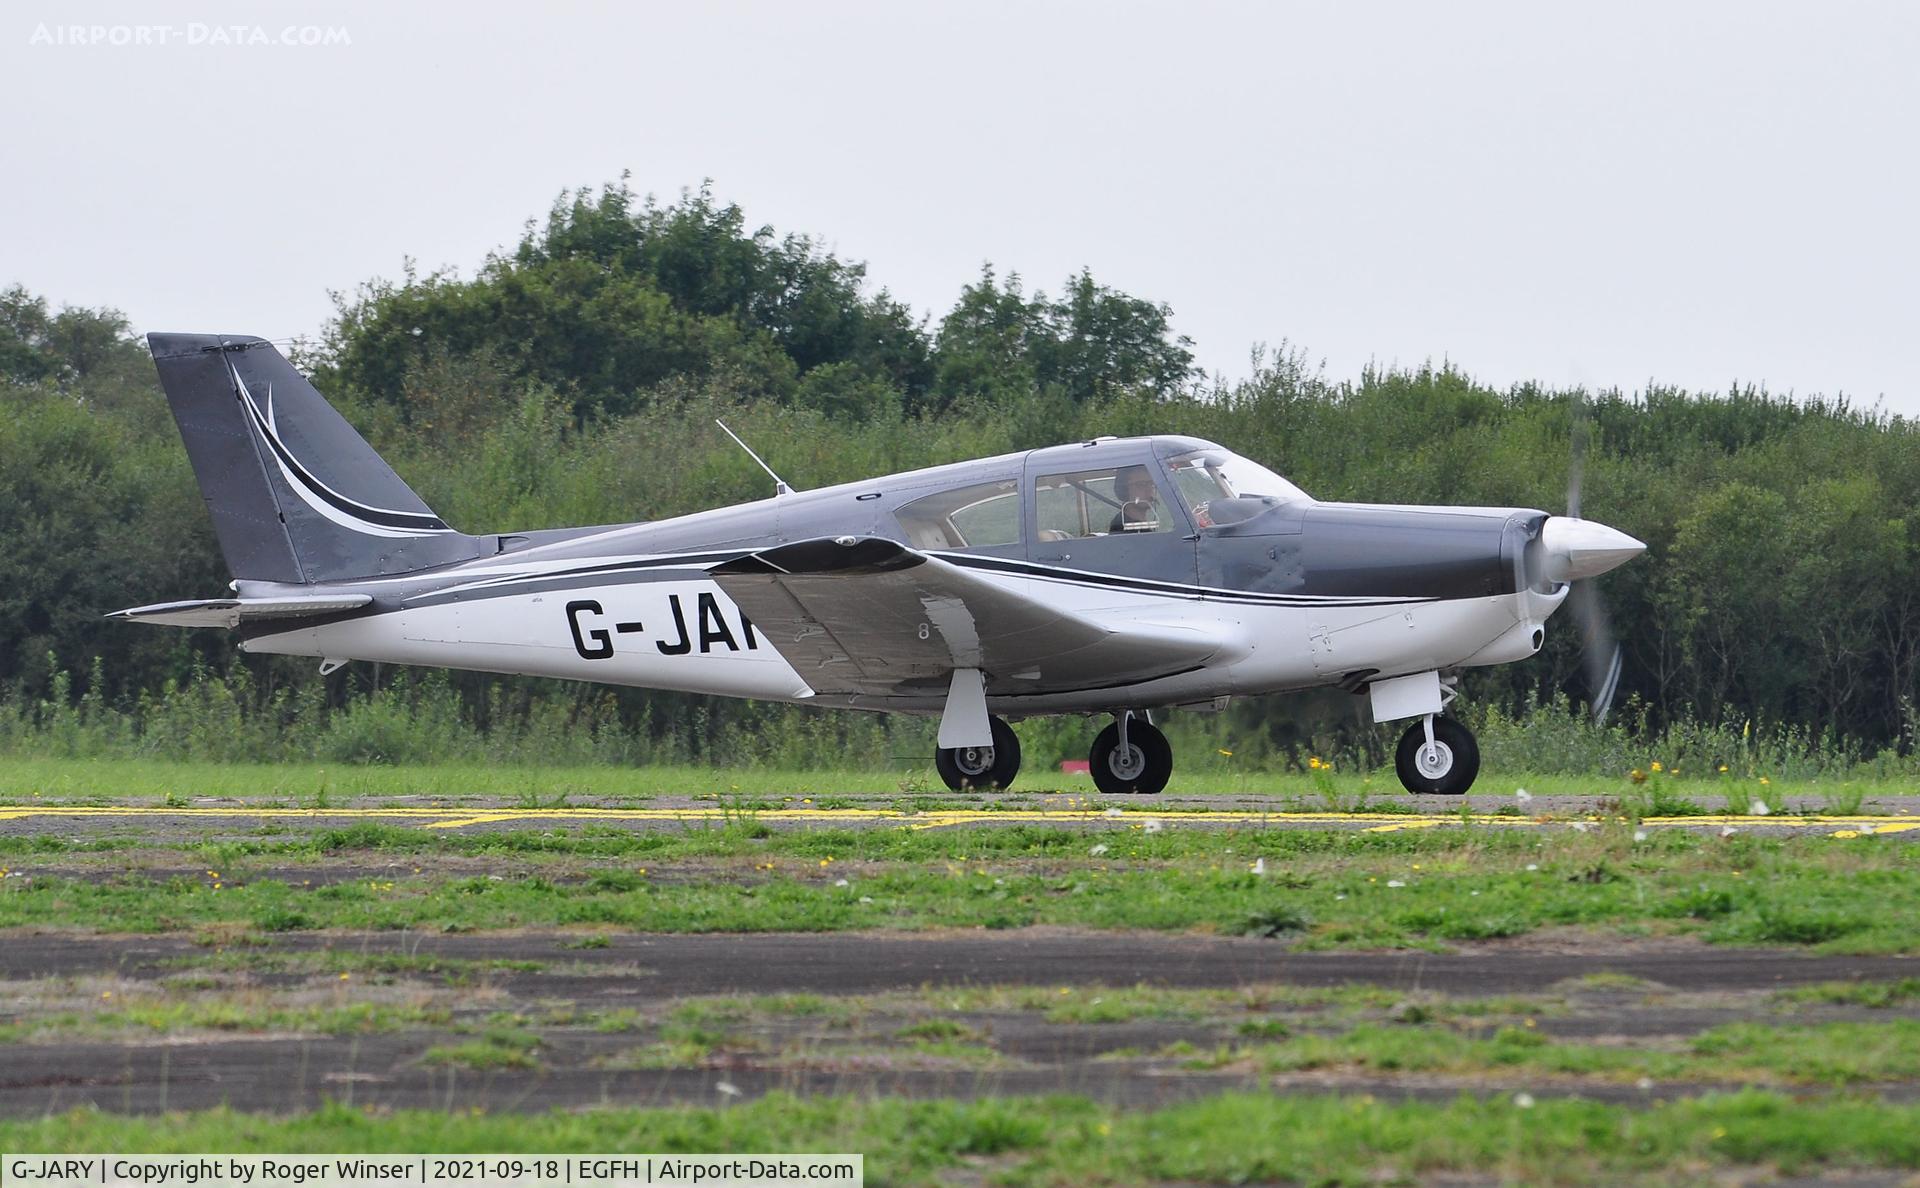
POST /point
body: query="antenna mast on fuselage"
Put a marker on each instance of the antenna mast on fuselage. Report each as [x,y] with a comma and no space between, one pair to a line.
[780,486]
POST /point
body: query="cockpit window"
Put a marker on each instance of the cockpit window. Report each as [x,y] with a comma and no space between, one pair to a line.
[964,518]
[1099,503]
[1223,488]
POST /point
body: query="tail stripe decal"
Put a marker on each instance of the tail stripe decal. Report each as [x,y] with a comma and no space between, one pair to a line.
[348,513]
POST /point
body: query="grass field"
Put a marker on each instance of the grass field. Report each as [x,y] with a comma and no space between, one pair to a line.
[83,781]
[1318,888]
[1230,1139]
[1601,1080]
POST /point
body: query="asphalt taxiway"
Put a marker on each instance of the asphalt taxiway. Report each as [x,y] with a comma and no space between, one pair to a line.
[172,823]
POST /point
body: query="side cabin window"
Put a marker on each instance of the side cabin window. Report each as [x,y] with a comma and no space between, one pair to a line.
[1123,499]
[974,517]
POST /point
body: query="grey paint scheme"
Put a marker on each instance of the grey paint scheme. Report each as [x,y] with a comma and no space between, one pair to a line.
[277,543]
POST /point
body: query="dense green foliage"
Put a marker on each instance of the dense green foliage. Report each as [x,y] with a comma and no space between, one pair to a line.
[613,297]
[575,379]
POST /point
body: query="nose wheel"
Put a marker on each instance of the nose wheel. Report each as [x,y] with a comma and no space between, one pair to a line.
[1130,756]
[981,767]
[1441,763]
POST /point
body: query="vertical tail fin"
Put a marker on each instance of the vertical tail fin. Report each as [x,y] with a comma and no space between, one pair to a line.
[295,494]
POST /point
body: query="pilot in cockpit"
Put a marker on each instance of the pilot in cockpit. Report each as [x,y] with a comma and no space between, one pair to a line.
[1133,486]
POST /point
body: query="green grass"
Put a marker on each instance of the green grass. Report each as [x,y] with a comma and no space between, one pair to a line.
[1226,1139]
[1329,888]
[499,1048]
[122,781]
[936,1029]
[1116,1004]
[695,1034]
[365,1000]
[453,970]
[663,1054]
[1878,995]
[957,1051]
[1611,980]
[1825,1054]
[195,1013]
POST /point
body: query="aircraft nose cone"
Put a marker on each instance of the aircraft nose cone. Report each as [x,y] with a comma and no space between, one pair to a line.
[1578,549]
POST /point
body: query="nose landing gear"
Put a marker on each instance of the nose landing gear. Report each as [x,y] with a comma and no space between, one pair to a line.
[1437,756]
[1131,756]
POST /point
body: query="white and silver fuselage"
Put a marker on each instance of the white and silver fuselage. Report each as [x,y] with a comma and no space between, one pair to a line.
[678,630]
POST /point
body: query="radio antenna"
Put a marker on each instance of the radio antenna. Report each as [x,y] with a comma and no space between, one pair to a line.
[780,486]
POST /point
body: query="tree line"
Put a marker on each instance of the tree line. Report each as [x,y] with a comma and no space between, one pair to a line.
[575,380]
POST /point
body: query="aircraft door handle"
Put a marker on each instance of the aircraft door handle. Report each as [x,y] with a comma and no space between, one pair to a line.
[1054,557]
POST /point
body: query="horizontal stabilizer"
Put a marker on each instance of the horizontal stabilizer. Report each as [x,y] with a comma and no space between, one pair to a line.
[231,612]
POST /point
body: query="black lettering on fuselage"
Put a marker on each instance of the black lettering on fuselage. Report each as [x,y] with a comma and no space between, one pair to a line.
[711,630]
[683,645]
[713,626]
[602,642]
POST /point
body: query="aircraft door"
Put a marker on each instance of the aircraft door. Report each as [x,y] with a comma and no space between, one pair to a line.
[1111,517]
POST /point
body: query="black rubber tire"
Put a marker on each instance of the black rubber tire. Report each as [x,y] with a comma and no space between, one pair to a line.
[965,768]
[1153,757]
[1459,754]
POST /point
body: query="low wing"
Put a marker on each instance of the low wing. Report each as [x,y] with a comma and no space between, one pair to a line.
[868,615]
[230,612]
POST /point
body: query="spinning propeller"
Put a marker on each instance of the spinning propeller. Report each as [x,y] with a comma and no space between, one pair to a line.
[1576,550]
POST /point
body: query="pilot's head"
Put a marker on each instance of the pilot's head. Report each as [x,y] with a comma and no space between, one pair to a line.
[1135,485]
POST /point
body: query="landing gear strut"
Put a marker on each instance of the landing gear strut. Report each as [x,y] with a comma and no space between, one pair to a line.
[981,767]
[1437,756]
[1131,756]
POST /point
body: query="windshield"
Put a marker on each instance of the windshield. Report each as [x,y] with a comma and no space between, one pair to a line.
[1206,478]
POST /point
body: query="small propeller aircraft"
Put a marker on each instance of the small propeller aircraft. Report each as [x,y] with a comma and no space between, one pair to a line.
[1111,577]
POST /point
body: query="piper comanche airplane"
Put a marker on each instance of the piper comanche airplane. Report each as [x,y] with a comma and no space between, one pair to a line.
[1112,577]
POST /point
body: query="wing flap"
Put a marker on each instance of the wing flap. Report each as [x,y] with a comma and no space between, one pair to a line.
[231,612]
[869,615]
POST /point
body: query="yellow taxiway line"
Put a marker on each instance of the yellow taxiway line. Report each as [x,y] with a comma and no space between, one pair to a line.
[457,818]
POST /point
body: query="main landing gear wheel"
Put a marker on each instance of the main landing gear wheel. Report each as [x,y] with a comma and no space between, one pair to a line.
[1447,768]
[981,767]
[1142,766]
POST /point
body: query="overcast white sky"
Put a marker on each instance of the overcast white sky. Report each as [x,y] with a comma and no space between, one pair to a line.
[1690,192]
